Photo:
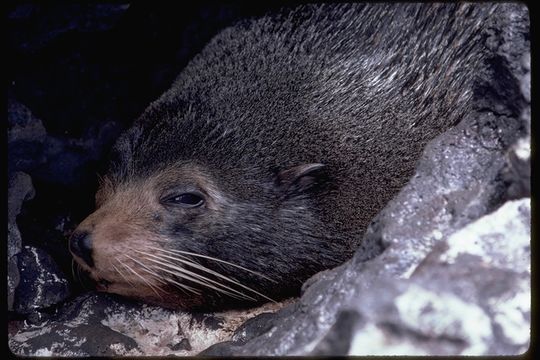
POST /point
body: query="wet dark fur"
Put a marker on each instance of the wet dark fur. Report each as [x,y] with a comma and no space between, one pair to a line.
[358,88]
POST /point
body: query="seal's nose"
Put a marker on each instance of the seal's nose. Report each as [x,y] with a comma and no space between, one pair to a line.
[80,244]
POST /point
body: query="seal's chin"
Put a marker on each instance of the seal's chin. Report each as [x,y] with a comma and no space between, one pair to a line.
[122,287]
[163,297]
[134,290]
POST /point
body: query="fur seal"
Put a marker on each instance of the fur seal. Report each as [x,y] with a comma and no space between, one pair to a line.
[274,148]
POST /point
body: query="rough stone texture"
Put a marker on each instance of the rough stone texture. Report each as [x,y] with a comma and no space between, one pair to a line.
[470,295]
[76,331]
[20,189]
[454,277]
[105,325]
[41,285]
[34,280]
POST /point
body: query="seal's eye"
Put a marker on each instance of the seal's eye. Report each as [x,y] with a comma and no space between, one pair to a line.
[186,200]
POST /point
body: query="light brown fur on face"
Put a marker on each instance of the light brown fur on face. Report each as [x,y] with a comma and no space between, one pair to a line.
[125,224]
[117,227]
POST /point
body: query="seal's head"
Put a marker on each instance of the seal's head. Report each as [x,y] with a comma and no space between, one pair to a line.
[187,235]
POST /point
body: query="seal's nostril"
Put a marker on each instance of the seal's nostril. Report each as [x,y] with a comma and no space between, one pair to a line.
[80,244]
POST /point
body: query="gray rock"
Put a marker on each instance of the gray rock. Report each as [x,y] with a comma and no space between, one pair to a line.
[97,324]
[466,298]
[339,337]
[517,172]
[41,285]
[75,331]
[20,189]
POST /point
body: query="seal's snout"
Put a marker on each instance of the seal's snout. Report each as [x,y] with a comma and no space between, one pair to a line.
[80,245]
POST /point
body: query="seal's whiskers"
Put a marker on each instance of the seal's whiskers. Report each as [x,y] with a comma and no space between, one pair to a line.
[120,273]
[141,277]
[147,269]
[187,261]
[210,258]
[158,277]
[194,277]
[183,286]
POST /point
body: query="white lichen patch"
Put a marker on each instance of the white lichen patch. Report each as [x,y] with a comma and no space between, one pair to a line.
[438,315]
[370,340]
[26,333]
[53,351]
[157,330]
[437,235]
[121,350]
[43,352]
[501,239]
[151,328]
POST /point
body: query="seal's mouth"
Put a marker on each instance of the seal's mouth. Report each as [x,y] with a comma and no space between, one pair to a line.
[103,284]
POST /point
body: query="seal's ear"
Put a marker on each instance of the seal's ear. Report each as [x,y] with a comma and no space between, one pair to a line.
[298,178]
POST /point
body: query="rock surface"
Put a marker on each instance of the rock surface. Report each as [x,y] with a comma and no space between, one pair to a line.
[41,285]
[104,325]
[454,278]
[20,189]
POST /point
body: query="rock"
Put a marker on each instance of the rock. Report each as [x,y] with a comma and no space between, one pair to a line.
[339,337]
[26,135]
[97,324]
[20,189]
[76,331]
[517,172]
[247,331]
[459,300]
[41,284]
[72,162]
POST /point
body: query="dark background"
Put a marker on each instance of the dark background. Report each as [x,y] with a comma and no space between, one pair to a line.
[87,71]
